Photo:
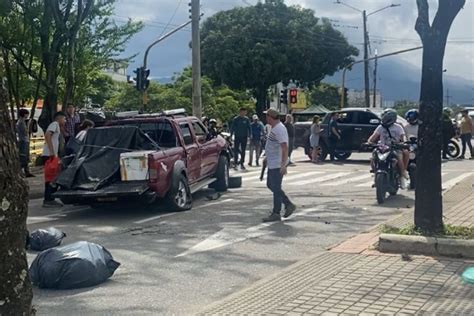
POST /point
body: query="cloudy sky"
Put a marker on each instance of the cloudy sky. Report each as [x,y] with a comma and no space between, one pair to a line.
[389,30]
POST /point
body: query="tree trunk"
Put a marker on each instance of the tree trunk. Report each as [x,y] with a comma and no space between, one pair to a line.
[15,287]
[70,77]
[429,202]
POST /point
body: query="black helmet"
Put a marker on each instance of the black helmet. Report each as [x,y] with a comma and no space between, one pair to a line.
[389,117]
[412,116]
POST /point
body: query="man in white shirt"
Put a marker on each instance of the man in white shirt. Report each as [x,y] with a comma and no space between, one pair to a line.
[276,151]
[50,150]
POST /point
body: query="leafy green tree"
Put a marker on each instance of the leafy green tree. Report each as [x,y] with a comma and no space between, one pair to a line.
[257,46]
[403,106]
[327,95]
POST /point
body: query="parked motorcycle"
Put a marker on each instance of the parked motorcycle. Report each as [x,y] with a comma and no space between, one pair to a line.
[412,147]
[230,147]
[453,149]
[387,174]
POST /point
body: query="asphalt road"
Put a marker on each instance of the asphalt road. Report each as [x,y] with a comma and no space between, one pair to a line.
[180,262]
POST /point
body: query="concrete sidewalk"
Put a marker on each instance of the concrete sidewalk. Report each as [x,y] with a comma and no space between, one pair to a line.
[354,279]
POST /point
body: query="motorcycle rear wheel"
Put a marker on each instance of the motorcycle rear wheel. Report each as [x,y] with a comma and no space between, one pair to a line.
[380,180]
[453,149]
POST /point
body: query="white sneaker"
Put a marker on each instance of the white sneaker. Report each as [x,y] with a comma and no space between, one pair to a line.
[403,183]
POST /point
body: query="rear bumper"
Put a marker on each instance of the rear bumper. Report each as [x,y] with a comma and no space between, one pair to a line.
[119,191]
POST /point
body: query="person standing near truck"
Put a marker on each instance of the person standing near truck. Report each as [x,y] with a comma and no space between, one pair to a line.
[241,131]
[276,151]
[50,152]
[256,139]
[334,135]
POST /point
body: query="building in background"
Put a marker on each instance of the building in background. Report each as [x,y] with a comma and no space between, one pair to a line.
[356,98]
[117,70]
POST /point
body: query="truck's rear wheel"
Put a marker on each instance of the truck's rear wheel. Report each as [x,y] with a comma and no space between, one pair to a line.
[222,175]
[179,197]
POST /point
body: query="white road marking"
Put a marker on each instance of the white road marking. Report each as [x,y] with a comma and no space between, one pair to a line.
[231,235]
[450,183]
[320,179]
[293,176]
[153,218]
[347,181]
[370,183]
[246,175]
[53,216]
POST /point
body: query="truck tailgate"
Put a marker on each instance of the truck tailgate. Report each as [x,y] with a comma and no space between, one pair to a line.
[128,188]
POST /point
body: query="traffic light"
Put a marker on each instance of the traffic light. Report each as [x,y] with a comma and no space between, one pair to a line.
[284,96]
[145,82]
[293,96]
[138,78]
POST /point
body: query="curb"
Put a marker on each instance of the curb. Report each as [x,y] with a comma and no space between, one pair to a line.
[431,246]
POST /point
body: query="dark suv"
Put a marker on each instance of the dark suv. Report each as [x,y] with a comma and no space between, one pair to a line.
[356,125]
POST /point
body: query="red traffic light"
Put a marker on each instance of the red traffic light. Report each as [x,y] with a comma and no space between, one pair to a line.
[293,96]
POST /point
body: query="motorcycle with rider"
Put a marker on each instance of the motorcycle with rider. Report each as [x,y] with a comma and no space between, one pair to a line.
[411,131]
[390,156]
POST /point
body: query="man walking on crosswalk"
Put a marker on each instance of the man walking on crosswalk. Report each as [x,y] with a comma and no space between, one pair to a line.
[276,151]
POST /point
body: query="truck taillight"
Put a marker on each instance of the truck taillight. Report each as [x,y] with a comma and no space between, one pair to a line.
[152,169]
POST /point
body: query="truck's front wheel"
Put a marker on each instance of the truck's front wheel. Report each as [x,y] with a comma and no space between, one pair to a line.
[222,175]
[179,197]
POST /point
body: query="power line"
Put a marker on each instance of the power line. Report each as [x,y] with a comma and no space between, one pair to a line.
[172,17]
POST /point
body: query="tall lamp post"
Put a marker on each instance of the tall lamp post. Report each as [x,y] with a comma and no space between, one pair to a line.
[366,44]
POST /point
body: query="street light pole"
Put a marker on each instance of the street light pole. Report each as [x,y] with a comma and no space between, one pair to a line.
[375,81]
[368,59]
[366,45]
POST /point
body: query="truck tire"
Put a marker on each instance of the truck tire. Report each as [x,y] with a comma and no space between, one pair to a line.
[179,196]
[343,155]
[222,175]
[323,153]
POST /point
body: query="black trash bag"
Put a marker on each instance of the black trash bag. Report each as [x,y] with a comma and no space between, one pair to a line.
[42,239]
[81,264]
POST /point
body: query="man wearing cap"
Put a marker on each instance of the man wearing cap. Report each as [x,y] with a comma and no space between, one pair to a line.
[276,150]
[240,129]
[256,135]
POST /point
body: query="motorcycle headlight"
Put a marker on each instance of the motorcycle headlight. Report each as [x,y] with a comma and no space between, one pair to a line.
[412,155]
[383,156]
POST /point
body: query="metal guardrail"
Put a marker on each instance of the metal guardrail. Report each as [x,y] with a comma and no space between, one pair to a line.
[36,146]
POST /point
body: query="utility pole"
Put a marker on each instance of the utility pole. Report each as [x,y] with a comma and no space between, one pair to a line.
[375,80]
[448,97]
[366,62]
[196,52]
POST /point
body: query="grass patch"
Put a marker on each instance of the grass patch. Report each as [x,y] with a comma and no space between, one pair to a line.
[449,231]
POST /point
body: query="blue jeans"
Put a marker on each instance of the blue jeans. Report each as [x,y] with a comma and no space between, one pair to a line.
[466,142]
[274,180]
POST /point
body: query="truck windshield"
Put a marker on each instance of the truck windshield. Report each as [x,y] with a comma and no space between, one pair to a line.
[161,132]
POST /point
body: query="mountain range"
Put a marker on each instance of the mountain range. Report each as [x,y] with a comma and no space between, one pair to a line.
[399,80]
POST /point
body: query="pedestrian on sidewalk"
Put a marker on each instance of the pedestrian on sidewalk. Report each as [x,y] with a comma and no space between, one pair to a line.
[276,150]
[290,128]
[256,139]
[314,139]
[50,151]
[240,129]
[466,127]
[334,135]
[24,142]
[448,129]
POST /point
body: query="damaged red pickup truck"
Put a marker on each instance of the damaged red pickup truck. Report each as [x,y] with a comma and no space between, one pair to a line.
[144,158]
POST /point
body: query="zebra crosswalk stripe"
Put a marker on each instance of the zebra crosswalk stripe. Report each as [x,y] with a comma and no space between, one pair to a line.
[348,180]
[320,179]
[450,183]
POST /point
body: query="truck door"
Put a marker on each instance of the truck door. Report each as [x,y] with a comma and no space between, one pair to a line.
[208,148]
[346,125]
[193,154]
[367,122]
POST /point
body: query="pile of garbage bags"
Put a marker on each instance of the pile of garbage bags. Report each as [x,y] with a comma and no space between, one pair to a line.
[80,264]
